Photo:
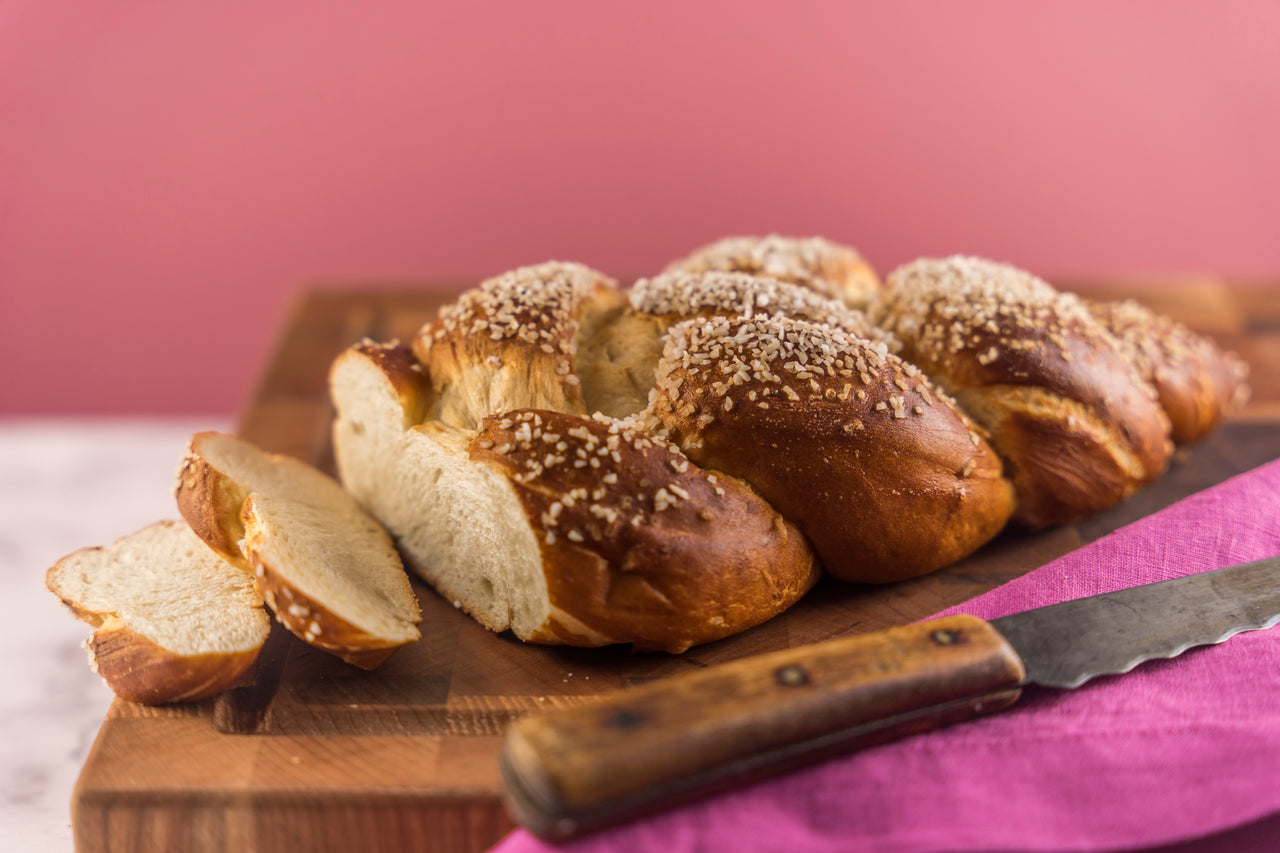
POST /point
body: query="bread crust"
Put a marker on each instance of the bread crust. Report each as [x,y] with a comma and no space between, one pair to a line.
[406,374]
[511,343]
[1196,382]
[1076,425]
[883,475]
[138,670]
[682,295]
[831,269]
[210,502]
[631,534]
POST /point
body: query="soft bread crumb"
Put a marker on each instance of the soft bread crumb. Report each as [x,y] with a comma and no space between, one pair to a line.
[309,540]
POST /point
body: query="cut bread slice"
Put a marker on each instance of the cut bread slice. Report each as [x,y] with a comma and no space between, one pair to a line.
[325,567]
[639,547]
[174,621]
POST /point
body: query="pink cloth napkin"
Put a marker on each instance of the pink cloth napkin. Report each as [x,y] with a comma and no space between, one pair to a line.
[1175,750]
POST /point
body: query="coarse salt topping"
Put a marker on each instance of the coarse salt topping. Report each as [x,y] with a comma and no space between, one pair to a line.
[761,362]
[534,304]
[687,294]
[812,262]
[1147,338]
[606,472]
[966,304]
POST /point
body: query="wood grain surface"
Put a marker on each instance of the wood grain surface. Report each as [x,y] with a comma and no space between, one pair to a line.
[321,756]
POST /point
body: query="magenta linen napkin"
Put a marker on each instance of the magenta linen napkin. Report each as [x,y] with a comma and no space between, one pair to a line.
[1175,750]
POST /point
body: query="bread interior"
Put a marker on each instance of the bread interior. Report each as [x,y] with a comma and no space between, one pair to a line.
[617,352]
[165,584]
[336,554]
[458,523]
[317,538]
[469,535]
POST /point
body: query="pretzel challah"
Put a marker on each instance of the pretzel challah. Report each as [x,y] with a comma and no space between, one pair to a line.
[1078,426]
[669,464]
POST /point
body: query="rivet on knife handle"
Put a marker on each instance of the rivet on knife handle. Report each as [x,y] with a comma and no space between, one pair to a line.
[661,744]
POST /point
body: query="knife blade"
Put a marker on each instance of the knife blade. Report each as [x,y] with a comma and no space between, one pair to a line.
[577,770]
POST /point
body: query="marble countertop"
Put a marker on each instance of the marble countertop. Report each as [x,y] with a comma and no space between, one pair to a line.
[64,484]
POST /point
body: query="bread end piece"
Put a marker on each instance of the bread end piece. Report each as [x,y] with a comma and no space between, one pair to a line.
[210,502]
[174,622]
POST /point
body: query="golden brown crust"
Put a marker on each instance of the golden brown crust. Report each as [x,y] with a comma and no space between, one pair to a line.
[1078,428]
[633,534]
[876,467]
[403,370]
[680,295]
[511,342]
[137,669]
[830,269]
[210,502]
[1197,383]
[1008,398]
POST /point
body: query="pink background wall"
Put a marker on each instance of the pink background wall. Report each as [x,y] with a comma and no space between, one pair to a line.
[171,173]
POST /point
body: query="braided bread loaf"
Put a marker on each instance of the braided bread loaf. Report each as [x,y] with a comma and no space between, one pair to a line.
[669,464]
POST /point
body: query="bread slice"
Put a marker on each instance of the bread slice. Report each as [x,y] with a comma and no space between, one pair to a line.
[174,622]
[326,568]
[639,547]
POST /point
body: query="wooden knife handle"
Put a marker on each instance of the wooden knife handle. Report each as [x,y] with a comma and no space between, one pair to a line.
[662,744]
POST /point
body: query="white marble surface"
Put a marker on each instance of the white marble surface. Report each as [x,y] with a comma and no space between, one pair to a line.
[64,484]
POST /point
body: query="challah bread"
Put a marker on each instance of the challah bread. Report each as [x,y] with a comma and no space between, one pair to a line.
[565,528]
[1077,426]
[898,439]
[1196,382]
[173,621]
[567,323]
[830,269]
[883,475]
[325,567]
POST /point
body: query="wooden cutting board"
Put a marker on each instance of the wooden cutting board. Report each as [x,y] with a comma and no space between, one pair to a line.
[320,756]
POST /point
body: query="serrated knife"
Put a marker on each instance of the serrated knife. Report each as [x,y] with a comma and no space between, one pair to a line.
[642,748]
